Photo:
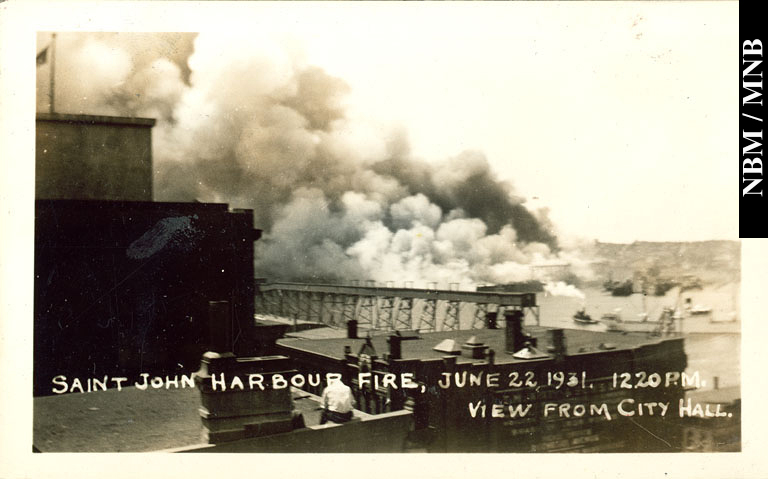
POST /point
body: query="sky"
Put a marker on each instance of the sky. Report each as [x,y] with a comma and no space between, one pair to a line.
[616,118]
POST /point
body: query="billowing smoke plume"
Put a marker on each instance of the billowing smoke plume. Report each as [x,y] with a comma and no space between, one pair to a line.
[245,120]
[559,288]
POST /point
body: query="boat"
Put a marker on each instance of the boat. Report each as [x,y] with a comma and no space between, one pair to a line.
[582,317]
[699,309]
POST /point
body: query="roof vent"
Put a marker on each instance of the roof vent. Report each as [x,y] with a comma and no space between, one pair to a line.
[475,348]
[367,348]
[407,334]
[448,346]
[529,352]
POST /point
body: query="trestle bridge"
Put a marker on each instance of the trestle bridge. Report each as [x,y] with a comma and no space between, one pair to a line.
[388,307]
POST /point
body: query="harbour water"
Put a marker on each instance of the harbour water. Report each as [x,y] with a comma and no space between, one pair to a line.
[723,299]
[712,341]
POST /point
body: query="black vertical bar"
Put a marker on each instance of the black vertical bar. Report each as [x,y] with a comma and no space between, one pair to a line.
[752,198]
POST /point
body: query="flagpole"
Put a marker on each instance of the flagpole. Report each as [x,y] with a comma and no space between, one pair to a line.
[53,68]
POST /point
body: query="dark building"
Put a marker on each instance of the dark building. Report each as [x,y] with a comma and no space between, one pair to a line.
[84,157]
[122,284]
[123,287]
[717,426]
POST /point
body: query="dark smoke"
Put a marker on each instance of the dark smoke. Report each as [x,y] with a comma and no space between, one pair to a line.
[466,182]
[257,127]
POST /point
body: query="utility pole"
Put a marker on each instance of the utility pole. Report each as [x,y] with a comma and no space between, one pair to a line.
[52,72]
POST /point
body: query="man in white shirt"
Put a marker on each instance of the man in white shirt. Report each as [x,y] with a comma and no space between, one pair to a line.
[337,402]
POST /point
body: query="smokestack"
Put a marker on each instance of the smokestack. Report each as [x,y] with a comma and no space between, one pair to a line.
[395,349]
[220,326]
[490,320]
[513,333]
[558,347]
[352,329]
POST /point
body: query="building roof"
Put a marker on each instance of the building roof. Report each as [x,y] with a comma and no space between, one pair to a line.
[96,119]
[577,342]
[133,420]
[716,396]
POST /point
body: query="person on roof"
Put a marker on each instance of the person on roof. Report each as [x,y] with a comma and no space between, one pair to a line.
[337,402]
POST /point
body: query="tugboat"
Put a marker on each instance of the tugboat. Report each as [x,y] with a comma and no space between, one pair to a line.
[699,309]
[582,317]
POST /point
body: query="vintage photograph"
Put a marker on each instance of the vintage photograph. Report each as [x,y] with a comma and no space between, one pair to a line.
[403,229]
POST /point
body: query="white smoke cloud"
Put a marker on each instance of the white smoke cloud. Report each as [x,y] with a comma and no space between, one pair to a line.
[414,210]
[559,288]
[245,120]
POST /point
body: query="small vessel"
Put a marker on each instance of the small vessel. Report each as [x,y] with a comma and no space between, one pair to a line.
[700,309]
[582,317]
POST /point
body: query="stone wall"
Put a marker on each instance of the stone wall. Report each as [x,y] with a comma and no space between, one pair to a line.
[381,433]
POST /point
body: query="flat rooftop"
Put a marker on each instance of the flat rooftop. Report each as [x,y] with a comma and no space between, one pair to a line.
[133,420]
[726,395]
[96,119]
[577,342]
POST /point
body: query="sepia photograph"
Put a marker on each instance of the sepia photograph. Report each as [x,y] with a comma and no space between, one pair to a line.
[410,228]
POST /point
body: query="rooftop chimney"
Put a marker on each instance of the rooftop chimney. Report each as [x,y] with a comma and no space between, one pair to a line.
[352,329]
[513,333]
[558,347]
[395,349]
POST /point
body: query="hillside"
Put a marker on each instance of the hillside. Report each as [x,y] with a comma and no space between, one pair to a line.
[713,262]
